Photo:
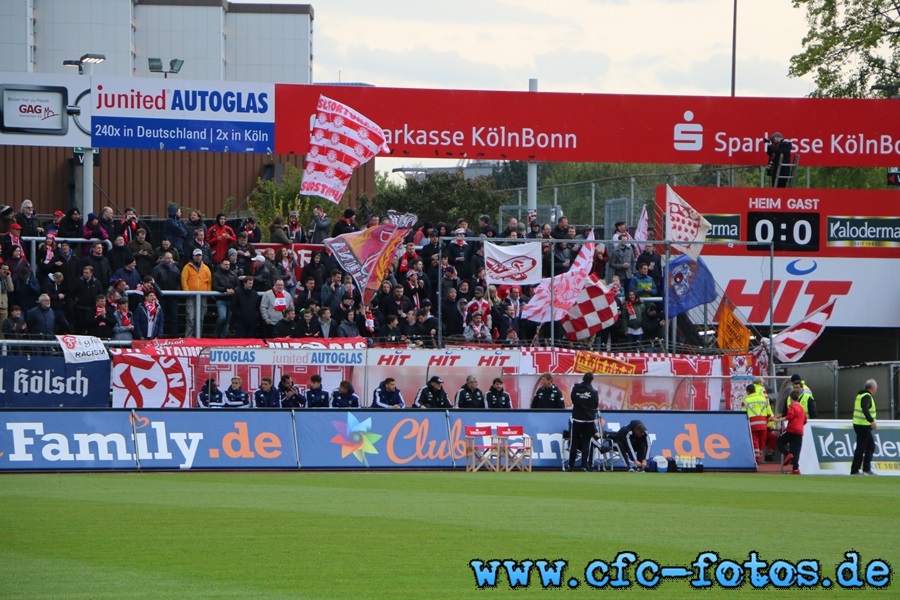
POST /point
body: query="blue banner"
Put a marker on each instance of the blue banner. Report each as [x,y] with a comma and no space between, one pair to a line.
[59,440]
[182,134]
[360,439]
[329,439]
[690,284]
[49,382]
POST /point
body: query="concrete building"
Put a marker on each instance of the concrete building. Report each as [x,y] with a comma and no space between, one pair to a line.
[217,40]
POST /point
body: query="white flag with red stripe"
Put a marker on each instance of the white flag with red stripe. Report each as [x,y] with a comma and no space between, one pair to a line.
[512,265]
[595,309]
[684,224]
[642,230]
[791,344]
[341,140]
[566,288]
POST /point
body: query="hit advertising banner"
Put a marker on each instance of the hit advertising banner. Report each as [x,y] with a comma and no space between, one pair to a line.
[828,447]
[829,244]
[50,382]
[175,114]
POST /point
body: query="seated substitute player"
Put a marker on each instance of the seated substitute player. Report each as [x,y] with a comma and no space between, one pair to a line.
[432,395]
[497,397]
[634,445]
[235,396]
[210,396]
[316,396]
[548,395]
[344,396]
[469,396]
[266,396]
[387,395]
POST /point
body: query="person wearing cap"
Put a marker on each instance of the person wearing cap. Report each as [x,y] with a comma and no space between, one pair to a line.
[481,306]
[779,167]
[634,444]
[534,229]
[548,395]
[10,240]
[791,441]
[460,253]
[245,309]
[585,411]
[7,217]
[195,277]
[31,225]
[432,395]
[119,255]
[245,252]
[254,234]
[53,223]
[130,275]
[346,224]
[806,396]
[621,231]
[295,230]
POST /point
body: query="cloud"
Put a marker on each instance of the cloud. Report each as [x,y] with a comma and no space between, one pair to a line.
[712,76]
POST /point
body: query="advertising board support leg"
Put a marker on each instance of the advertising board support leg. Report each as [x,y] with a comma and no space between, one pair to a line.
[450,437]
[296,442]
[134,439]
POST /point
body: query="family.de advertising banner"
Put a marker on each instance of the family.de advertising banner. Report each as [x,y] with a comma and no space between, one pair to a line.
[177,114]
[828,447]
[51,382]
[720,439]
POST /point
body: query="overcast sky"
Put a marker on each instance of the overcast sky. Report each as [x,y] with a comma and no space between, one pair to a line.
[680,47]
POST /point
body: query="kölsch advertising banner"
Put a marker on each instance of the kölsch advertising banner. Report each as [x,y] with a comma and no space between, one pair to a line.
[828,447]
[720,439]
[173,114]
[829,244]
[50,382]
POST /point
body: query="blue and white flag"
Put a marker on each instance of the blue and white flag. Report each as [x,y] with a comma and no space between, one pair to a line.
[690,284]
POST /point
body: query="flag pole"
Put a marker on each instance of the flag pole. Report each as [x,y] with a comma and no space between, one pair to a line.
[552,304]
[771,309]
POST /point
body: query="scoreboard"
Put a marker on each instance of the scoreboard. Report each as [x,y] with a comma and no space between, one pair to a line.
[828,243]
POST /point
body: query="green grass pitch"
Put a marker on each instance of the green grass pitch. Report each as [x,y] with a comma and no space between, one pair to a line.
[412,534]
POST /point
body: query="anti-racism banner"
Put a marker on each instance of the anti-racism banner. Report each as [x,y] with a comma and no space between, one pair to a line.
[828,447]
[51,382]
[82,348]
[174,114]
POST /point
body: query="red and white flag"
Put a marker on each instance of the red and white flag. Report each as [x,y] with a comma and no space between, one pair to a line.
[791,344]
[566,288]
[341,140]
[642,230]
[595,309]
[519,264]
[684,224]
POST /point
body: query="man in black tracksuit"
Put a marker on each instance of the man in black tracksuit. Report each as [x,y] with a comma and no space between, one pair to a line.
[585,403]
[548,395]
[634,444]
[469,395]
[432,395]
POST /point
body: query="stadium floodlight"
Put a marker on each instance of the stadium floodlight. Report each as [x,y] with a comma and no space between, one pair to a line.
[156,66]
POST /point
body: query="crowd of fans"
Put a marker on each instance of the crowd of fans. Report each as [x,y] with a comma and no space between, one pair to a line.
[104,275]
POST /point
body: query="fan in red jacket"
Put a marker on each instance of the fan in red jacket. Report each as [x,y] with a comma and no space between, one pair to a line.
[219,237]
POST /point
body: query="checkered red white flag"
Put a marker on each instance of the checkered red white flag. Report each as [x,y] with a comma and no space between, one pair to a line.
[595,309]
[566,288]
[791,344]
[684,224]
[341,140]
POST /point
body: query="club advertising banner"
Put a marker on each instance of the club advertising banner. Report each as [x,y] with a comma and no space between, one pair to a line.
[51,382]
[175,114]
[334,439]
[828,447]
[829,244]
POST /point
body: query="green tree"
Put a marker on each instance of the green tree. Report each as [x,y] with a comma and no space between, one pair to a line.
[851,45]
[272,198]
[442,196]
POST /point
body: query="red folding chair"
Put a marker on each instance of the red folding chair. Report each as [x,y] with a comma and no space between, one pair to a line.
[513,456]
[480,456]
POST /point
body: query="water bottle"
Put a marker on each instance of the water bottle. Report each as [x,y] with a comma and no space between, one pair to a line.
[692,464]
[679,463]
[699,465]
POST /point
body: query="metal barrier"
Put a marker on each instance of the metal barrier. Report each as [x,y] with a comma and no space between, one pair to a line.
[33,242]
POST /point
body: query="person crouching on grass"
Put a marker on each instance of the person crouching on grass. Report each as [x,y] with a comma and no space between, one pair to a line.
[791,442]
